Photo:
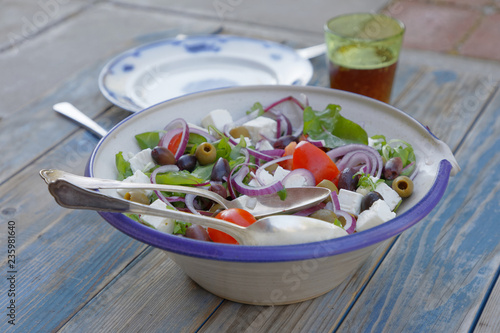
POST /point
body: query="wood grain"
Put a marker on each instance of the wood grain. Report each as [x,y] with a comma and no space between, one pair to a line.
[77,273]
[317,315]
[489,320]
[153,295]
[24,20]
[446,263]
[65,267]
[447,101]
[28,98]
[64,257]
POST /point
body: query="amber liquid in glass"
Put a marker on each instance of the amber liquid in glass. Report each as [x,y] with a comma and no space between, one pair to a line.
[348,72]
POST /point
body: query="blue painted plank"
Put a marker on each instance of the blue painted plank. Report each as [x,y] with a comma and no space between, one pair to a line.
[446,101]
[437,274]
[64,267]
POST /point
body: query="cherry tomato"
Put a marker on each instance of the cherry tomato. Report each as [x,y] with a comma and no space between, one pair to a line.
[289,149]
[235,215]
[174,143]
[312,158]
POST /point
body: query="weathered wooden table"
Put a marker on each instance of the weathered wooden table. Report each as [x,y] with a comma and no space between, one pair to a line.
[74,273]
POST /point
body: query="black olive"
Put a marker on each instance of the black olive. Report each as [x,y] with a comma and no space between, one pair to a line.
[220,170]
[197,232]
[162,156]
[284,141]
[369,199]
[347,180]
[393,168]
[219,189]
[186,162]
[201,203]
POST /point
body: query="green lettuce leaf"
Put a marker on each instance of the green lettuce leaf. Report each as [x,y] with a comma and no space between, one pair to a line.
[203,171]
[178,178]
[328,125]
[122,166]
[148,139]
[180,227]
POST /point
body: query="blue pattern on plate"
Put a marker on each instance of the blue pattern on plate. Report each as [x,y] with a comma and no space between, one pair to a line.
[276,56]
[128,67]
[201,47]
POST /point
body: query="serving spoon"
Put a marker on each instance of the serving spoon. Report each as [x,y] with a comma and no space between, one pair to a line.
[271,230]
[297,198]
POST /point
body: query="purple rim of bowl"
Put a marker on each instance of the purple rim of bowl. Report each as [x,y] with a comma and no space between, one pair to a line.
[239,253]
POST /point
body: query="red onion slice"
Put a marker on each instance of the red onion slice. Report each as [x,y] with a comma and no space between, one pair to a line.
[303,175]
[203,133]
[175,127]
[274,161]
[317,143]
[335,200]
[371,156]
[152,178]
[238,185]
[350,224]
[189,201]
[266,155]
[289,98]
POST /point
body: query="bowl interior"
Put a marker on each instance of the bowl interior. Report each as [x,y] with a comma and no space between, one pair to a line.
[435,162]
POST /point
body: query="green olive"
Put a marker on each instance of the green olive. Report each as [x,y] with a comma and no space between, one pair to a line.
[239,131]
[272,168]
[329,185]
[403,185]
[324,215]
[137,196]
[205,153]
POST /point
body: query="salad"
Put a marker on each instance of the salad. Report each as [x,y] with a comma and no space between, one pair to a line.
[272,148]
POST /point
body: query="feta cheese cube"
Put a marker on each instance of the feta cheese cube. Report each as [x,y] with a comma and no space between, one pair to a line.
[217,118]
[390,196]
[363,190]
[137,177]
[128,156]
[350,201]
[261,125]
[142,161]
[265,177]
[378,213]
[280,173]
[247,140]
[264,145]
[163,224]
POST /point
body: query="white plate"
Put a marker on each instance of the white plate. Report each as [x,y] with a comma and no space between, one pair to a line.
[152,73]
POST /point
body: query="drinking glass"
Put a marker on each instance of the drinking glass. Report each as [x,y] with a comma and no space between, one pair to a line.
[362,52]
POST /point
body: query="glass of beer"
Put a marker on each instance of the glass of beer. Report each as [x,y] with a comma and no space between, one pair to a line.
[362,52]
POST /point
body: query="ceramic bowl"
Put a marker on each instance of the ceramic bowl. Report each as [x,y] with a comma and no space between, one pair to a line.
[273,275]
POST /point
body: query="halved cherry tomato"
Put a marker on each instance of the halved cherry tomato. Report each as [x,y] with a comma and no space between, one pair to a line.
[237,216]
[312,158]
[289,149]
[174,143]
